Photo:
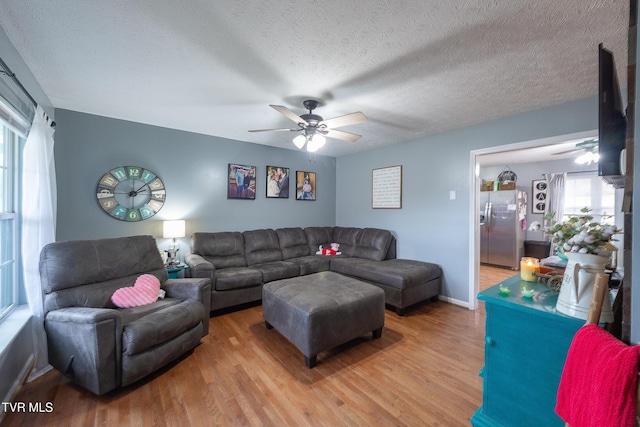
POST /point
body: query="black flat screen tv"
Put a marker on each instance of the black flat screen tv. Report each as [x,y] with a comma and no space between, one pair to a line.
[612,124]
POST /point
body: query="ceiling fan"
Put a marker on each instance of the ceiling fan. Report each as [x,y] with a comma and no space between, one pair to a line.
[314,128]
[589,151]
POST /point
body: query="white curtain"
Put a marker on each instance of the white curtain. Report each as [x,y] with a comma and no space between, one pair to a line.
[555,200]
[38,223]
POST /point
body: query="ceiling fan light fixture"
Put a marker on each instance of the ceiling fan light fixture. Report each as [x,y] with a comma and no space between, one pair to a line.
[315,142]
[587,158]
[299,141]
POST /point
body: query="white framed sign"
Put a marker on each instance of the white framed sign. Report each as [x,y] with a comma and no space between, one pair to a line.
[539,196]
[387,188]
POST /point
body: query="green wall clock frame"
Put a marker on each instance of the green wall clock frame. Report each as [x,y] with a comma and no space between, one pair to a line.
[130,193]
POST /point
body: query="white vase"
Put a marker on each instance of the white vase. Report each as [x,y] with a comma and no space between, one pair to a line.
[577,286]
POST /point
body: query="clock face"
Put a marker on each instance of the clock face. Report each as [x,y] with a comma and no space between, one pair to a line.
[130,193]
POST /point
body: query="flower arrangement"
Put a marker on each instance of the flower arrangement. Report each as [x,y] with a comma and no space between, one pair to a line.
[582,234]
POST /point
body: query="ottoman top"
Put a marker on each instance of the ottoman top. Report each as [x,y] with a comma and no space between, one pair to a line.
[321,291]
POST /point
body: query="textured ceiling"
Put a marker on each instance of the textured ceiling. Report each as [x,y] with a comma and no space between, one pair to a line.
[414,67]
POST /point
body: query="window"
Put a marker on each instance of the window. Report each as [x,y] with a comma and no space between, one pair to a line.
[589,191]
[9,181]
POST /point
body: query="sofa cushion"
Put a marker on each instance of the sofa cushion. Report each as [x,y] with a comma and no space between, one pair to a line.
[293,242]
[318,236]
[372,243]
[132,314]
[347,237]
[261,246]
[311,264]
[398,273]
[236,278]
[277,270]
[161,326]
[224,249]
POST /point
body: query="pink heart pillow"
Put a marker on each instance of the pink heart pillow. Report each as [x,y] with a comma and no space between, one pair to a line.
[144,291]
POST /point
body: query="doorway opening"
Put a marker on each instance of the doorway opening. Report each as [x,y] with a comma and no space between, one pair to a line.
[504,153]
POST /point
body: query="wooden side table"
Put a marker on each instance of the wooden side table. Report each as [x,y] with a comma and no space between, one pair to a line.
[526,344]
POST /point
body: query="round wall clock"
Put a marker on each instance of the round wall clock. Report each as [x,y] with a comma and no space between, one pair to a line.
[130,193]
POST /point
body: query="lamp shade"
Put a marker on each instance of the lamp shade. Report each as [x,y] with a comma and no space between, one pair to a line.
[315,142]
[299,141]
[173,229]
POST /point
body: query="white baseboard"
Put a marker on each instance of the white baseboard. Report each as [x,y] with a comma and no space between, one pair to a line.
[454,301]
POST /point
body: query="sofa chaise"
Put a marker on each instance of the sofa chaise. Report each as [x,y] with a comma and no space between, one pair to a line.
[240,263]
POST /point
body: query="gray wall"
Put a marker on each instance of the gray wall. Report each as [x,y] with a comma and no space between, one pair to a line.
[193,168]
[430,226]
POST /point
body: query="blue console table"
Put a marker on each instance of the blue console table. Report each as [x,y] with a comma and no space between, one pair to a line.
[526,344]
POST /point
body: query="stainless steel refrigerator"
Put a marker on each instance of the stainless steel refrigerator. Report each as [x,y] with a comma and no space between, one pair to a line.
[501,227]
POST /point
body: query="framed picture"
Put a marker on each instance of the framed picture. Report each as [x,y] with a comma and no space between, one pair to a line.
[277,182]
[242,182]
[539,196]
[305,185]
[386,188]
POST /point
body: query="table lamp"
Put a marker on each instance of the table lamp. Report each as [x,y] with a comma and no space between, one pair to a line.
[173,230]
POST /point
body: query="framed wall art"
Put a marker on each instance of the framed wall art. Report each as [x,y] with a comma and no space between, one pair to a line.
[539,196]
[387,188]
[277,182]
[241,182]
[305,185]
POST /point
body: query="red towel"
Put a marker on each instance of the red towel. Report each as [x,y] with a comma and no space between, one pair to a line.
[598,384]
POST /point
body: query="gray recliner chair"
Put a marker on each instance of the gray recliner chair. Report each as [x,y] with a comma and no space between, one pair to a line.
[99,346]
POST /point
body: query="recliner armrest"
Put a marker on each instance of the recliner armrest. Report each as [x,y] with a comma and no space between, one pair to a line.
[81,315]
[85,345]
[199,267]
[192,288]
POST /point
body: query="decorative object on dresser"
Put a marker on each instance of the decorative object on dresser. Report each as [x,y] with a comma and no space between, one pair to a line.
[587,245]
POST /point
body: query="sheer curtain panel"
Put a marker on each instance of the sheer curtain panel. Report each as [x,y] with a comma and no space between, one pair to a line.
[556,195]
[38,223]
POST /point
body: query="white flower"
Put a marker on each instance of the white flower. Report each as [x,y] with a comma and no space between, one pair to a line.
[580,233]
[535,226]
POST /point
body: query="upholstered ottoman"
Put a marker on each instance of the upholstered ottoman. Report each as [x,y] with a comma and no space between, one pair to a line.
[323,310]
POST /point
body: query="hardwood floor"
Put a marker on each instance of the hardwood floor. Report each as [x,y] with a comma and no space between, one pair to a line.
[423,371]
[490,275]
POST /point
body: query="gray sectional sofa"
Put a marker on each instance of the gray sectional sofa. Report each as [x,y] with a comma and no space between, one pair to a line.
[240,263]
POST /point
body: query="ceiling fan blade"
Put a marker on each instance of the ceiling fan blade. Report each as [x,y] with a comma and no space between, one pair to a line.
[347,119]
[345,136]
[289,114]
[575,150]
[273,130]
